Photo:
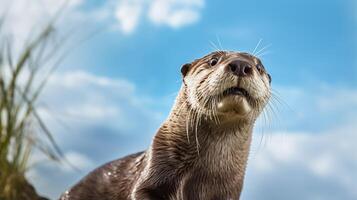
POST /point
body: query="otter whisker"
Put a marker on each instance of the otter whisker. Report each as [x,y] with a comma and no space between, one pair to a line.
[275,95]
[256,46]
[262,129]
[187,125]
[266,122]
[206,108]
[267,111]
[219,43]
[181,106]
[197,120]
[270,113]
[194,125]
[263,54]
[211,108]
[266,118]
[271,106]
[214,46]
[214,108]
[275,99]
[262,49]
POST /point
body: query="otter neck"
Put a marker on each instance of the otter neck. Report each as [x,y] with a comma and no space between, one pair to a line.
[213,147]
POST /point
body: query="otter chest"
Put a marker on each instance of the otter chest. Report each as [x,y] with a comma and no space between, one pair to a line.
[218,172]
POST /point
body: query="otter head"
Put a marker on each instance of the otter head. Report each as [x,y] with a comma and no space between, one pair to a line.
[228,85]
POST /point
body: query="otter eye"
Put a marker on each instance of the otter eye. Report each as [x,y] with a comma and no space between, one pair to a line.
[213,62]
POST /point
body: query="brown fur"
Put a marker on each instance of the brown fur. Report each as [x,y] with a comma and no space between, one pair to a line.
[197,154]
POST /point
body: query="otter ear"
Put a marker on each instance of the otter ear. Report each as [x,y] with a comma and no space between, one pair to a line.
[185,68]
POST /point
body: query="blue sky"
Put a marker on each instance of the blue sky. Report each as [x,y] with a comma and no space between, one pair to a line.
[114,90]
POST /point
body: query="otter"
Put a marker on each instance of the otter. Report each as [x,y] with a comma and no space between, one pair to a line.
[200,152]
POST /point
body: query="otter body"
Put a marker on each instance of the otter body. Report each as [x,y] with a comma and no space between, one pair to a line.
[201,150]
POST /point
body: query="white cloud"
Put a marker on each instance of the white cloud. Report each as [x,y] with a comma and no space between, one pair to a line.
[323,165]
[291,160]
[77,78]
[91,99]
[175,13]
[297,109]
[172,13]
[25,18]
[128,13]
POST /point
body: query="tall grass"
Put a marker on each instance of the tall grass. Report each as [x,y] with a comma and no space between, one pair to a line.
[23,74]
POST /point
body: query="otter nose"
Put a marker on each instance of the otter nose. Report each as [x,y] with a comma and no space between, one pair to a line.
[240,68]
